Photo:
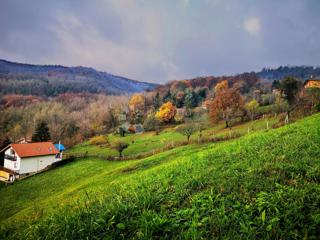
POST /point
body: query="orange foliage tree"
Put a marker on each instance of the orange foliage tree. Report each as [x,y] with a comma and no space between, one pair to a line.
[166,112]
[227,103]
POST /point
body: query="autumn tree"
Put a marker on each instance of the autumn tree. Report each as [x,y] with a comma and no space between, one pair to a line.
[187,130]
[136,102]
[166,112]
[41,133]
[136,106]
[227,103]
[15,132]
[180,97]
[252,107]
[111,120]
[120,146]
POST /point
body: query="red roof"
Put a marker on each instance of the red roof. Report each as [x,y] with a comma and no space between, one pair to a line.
[34,149]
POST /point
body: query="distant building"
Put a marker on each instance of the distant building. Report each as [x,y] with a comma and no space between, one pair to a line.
[26,158]
[312,83]
[132,128]
[122,117]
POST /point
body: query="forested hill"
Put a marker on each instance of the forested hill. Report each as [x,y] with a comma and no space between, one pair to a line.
[51,80]
[299,72]
[246,80]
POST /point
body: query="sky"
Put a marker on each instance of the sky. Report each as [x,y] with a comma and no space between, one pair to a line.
[162,40]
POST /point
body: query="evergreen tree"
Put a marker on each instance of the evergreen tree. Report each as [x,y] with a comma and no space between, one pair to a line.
[202,94]
[3,144]
[41,133]
[167,97]
[156,101]
[290,87]
[276,84]
[191,99]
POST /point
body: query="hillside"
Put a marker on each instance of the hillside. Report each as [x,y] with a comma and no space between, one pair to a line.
[300,72]
[247,80]
[263,185]
[51,80]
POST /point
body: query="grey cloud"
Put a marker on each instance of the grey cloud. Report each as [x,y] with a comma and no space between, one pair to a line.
[161,40]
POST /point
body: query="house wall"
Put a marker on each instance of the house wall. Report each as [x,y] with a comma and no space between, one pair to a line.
[59,158]
[12,165]
[35,164]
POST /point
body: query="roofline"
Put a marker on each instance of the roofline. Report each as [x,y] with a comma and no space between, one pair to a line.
[32,142]
[38,155]
[29,156]
[305,82]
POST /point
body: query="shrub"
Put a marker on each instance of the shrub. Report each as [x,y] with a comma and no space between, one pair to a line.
[99,140]
[151,123]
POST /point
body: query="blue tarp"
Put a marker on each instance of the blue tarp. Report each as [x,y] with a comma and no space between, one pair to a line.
[62,148]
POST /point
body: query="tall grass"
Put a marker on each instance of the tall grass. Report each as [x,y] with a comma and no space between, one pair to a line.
[261,186]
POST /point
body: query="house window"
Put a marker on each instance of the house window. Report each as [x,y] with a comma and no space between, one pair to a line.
[12,152]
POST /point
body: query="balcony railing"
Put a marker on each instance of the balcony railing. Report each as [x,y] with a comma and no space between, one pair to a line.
[10,157]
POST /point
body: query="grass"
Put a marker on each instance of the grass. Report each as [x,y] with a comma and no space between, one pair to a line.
[149,141]
[264,185]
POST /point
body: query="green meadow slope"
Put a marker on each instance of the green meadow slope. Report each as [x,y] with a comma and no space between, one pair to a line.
[263,185]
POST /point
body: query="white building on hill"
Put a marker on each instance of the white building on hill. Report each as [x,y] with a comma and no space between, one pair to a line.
[25,158]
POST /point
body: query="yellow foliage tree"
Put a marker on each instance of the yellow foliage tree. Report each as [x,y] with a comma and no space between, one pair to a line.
[136,101]
[166,112]
[252,108]
[221,86]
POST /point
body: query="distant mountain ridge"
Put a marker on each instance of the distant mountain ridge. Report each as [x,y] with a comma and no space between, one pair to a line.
[299,72]
[51,80]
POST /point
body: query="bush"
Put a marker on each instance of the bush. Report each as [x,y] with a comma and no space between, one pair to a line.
[98,140]
[151,123]
[179,118]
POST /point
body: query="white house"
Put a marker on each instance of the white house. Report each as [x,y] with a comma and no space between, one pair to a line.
[25,158]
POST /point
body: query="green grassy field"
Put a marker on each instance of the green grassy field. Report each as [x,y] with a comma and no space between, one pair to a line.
[146,142]
[264,185]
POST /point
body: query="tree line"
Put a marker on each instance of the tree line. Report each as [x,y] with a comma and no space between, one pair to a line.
[72,118]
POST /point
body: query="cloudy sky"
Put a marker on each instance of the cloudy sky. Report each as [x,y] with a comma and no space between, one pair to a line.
[161,40]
